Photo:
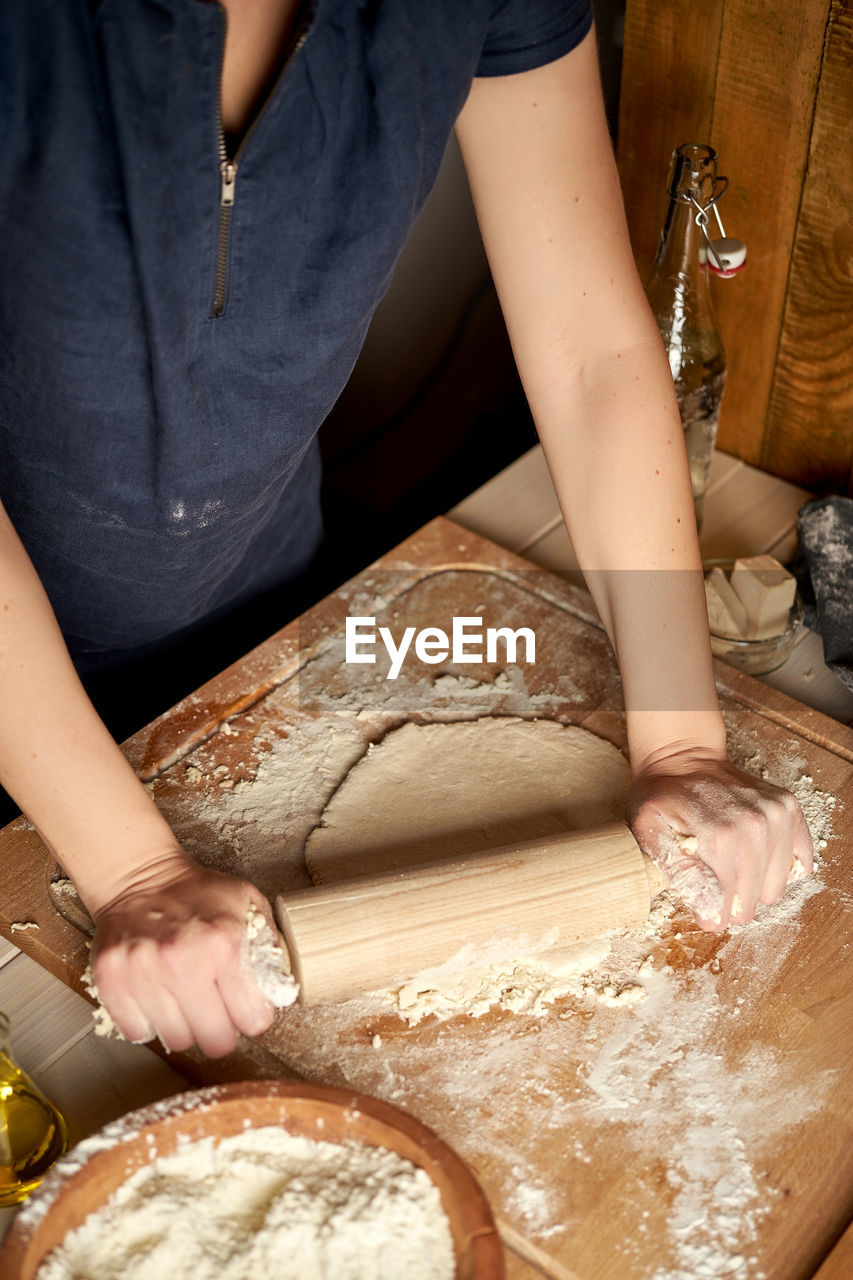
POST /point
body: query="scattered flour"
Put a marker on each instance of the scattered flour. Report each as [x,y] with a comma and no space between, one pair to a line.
[601,1090]
[267,960]
[104,1024]
[652,1097]
[460,686]
[264,1203]
[700,1113]
[468,985]
[64,887]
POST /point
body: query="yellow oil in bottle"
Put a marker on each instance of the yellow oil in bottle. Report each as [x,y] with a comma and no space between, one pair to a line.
[32,1132]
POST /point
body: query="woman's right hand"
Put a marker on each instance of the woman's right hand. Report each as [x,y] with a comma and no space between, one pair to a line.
[171,950]
[171,957]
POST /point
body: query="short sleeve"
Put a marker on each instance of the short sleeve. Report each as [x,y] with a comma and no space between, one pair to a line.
[524,34]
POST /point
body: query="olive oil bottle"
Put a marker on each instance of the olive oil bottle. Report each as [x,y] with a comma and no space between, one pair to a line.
[32,1132]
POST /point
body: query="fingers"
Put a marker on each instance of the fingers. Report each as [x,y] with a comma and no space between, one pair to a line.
[168,1020]
[726,841]
[187,981]
[795,855]
[149,994]
[693,880]
[248,1009]
[752,861]
[122,1008]
[751,851]
[776,849]
[208,1010]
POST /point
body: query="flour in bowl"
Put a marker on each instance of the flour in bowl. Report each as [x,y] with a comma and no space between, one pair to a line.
[263,1203]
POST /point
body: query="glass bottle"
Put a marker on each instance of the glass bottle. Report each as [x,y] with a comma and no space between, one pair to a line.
[32,1132]
[681,301]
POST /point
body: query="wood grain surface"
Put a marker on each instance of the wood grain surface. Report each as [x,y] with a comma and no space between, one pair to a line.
[768,65]
[666,97]
[809,433]
[518,1269]
[838,1265]
[770,88]
[708,1124]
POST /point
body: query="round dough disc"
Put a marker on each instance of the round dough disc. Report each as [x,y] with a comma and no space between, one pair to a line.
[432,791]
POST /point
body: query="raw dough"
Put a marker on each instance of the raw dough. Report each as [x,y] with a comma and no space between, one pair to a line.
[432,791]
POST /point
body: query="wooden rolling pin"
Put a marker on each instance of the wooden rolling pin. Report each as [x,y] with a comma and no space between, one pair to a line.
[381,931]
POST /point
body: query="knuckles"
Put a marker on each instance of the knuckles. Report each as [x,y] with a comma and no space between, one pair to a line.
[151,948]
[193,950]
[209,947]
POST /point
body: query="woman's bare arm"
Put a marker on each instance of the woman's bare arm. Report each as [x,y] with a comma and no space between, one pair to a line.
[169,954]
[544,182]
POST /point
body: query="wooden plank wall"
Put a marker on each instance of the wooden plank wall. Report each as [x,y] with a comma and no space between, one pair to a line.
[770,86]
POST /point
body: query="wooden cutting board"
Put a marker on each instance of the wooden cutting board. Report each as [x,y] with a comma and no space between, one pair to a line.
[704,1131]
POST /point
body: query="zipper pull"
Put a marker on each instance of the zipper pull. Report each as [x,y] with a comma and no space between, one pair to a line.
[228,172]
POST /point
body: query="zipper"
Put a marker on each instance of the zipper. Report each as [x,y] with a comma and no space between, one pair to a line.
[228,182]
[228,165]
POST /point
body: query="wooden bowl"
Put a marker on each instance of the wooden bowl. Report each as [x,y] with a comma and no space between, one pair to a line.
[87,1177]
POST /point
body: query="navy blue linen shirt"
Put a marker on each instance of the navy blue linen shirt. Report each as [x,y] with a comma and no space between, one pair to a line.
[157,458]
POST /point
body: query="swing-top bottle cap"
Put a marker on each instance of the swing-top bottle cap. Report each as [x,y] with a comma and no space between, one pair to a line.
[730,256]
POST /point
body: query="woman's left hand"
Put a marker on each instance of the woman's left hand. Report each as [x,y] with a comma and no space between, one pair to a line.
[725,839]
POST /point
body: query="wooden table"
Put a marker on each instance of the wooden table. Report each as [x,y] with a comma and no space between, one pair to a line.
[137,1075]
